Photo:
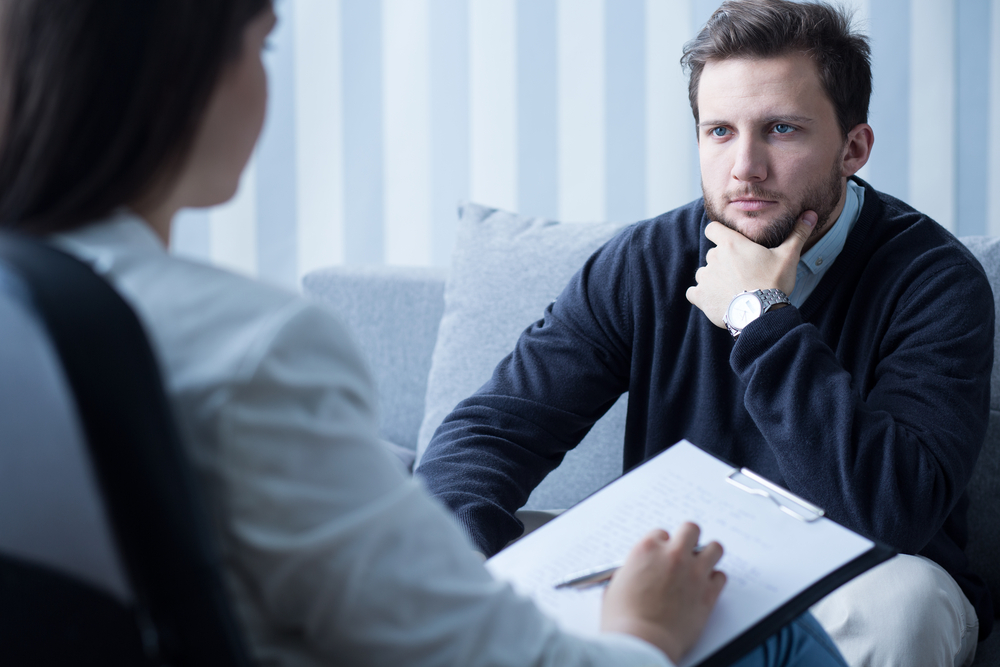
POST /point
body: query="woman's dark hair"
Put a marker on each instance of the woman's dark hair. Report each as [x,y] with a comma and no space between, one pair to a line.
[100,100]
[770,28]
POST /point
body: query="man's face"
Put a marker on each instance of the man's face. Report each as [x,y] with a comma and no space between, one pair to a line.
[770,146]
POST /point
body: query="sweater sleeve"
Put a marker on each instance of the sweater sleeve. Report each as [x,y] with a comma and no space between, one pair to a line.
[888,451]
[565,372]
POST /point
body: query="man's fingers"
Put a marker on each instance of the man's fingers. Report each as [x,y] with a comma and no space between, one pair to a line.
[803,229]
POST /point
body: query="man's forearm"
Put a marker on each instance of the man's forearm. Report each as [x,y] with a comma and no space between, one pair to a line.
[887,454]
[484,462]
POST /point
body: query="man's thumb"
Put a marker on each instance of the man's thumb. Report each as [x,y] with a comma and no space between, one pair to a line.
[803,229]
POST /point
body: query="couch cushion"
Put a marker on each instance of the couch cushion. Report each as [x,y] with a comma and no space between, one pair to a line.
[984,489]
[505,271]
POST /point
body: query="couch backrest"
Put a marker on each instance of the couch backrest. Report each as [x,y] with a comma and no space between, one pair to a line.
[394,314]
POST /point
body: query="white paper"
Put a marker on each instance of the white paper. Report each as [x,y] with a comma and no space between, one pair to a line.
[769,557]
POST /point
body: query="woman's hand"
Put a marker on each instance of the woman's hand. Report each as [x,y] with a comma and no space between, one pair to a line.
[665,591]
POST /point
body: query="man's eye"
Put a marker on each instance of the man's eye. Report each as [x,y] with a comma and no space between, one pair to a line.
[719,132]
[781,128]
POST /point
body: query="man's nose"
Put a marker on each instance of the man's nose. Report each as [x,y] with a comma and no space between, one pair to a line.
[750,163]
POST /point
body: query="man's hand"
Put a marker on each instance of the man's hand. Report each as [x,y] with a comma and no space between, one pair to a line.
[665,592]
[737,264]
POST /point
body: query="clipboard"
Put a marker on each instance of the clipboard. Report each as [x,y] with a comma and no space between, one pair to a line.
[752,483]
[782,553]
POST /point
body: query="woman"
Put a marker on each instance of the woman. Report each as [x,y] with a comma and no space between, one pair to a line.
[115,114]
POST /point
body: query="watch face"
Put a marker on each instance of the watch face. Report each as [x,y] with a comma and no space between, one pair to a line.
[743,310]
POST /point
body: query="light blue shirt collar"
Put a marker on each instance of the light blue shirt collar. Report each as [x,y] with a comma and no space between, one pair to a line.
[815,262]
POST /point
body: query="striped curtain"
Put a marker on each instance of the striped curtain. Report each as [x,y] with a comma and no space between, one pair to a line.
[385,113]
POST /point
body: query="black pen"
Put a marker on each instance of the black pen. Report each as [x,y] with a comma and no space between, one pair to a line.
[597,576]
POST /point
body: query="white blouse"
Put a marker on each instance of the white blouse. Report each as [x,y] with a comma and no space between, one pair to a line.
[333,555]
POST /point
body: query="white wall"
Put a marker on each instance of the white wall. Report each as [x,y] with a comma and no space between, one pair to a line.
[385,113]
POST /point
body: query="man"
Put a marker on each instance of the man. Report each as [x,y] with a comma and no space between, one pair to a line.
[794,321]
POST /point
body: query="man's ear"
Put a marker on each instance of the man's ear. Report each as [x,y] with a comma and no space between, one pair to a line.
[857,149]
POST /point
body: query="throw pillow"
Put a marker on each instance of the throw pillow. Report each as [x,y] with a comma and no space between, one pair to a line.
[506,269]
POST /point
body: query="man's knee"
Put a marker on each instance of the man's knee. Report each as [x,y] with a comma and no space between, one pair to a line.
[905,611]
[915,595]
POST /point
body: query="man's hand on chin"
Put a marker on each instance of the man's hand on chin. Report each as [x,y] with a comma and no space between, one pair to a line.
[737,264]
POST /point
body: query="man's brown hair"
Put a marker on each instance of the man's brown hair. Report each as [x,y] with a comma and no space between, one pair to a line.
[771,28]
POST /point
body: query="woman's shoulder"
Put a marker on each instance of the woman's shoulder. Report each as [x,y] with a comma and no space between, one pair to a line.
[203,313]
[208,324]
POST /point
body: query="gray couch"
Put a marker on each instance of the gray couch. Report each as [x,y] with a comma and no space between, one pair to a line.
[404,327]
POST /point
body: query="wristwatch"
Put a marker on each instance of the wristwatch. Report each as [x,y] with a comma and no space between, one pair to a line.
[748,306]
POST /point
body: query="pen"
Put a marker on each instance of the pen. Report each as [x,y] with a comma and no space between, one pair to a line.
[597,576]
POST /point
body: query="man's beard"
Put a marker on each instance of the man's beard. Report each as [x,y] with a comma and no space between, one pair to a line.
[821,198]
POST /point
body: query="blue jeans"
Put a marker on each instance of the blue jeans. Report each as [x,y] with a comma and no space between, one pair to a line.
[801,642]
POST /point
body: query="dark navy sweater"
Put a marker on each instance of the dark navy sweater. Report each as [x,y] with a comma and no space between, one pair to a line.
[871,400]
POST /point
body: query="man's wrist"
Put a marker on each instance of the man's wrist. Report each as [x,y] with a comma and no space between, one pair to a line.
[748,306]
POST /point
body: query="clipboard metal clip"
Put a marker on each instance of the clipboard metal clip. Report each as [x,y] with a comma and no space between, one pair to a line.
[787,502]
